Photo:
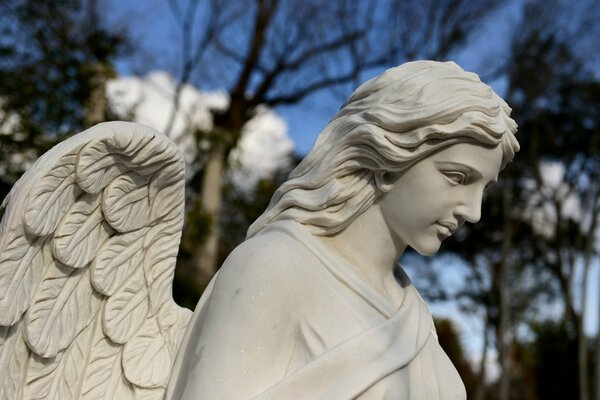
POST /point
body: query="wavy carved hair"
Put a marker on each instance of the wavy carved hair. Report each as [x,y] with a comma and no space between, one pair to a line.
[388,124]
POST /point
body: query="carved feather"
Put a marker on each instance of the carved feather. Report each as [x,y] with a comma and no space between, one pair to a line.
[117,259]
[81,232]
[127,309]
[20,276]
[58,377]
[126,204]
[144,355]
[159,259]
[51,196]
[104,373]
[63,306]
[167,192]
[172,321]
[88,245]
[14,360]
[14,253]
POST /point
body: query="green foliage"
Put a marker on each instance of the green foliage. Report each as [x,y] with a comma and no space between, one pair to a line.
[555,96]
[48,49]
[48,56]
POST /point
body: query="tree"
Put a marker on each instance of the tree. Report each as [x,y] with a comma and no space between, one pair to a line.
[54,58]
[530,247]
[559,116]
[278,53]
[552,93]
[555,379]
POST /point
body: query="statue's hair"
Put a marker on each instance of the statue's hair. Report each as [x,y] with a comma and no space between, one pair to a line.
[388,124]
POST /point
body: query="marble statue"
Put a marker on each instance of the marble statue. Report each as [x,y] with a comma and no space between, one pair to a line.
[311,306]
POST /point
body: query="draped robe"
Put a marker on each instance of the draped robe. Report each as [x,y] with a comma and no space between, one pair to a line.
[340,338]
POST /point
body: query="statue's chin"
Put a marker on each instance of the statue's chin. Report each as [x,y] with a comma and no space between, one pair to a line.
[427,253]
[427,248]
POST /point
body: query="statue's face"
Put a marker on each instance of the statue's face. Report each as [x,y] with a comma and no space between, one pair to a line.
[434,197]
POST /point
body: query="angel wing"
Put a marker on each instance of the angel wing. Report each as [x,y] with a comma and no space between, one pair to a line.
[88,243]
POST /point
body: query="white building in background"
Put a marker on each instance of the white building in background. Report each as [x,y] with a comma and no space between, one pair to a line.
[263,148]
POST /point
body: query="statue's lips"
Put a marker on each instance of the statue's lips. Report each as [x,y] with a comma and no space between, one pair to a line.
[447,228]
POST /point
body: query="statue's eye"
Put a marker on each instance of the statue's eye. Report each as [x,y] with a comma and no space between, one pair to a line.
[456,177]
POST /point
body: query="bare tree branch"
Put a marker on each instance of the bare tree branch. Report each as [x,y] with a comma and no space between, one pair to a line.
[309,89]
[266,9]
[190,59]
[281,51]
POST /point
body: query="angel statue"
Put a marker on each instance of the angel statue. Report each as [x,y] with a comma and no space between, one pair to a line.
[311,306]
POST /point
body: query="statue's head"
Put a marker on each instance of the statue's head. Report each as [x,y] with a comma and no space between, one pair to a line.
[388,124]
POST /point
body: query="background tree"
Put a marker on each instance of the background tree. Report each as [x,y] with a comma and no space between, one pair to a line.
[276,52]
[538,239]
[54,59]
[537,242]
[555,380]
[555,94]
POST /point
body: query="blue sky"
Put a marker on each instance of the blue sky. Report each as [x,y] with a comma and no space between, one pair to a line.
[156,37]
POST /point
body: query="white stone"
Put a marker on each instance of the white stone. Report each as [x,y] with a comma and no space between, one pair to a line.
[88,243]
[310,306]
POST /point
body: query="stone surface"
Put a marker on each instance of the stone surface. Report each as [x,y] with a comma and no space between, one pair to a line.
[310,306]
[86,308]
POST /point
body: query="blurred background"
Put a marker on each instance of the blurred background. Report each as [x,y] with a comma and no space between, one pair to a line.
[245,86]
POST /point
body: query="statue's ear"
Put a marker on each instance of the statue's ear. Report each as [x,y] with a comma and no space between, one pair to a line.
[385,180]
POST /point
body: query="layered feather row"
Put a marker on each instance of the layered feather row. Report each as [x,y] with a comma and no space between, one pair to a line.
[88,245]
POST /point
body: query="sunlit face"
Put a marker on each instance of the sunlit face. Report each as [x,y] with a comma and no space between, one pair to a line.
[434,197]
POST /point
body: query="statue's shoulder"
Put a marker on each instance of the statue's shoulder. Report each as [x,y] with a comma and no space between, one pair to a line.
[272,252]
[269,265]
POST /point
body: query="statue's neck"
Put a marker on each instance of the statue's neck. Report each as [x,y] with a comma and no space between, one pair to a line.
[369,246]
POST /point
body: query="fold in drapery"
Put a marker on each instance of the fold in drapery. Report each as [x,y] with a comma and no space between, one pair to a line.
[347,370]
[350,368]
[392,353]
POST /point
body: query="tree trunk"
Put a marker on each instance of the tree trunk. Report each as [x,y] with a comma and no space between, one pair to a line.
[481,388]
[205,258]
[582,356]
[504,335]
[95,106]
[597,380]
[582,350]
